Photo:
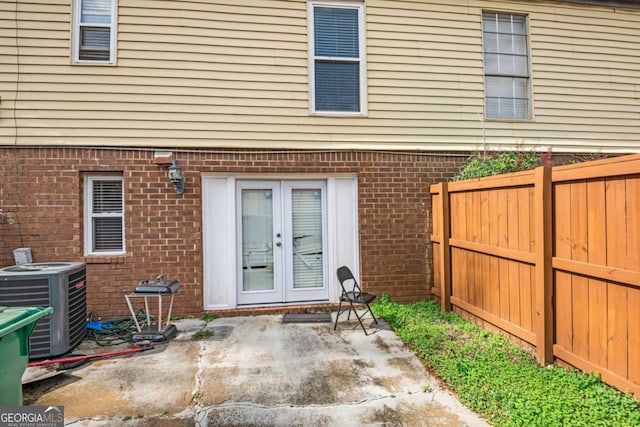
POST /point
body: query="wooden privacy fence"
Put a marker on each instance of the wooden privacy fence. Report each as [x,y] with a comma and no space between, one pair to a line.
[551,256]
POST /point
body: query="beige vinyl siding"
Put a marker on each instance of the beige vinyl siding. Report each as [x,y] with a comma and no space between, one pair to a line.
[233,74]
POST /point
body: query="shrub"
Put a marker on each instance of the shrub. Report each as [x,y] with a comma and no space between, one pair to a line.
[496,163]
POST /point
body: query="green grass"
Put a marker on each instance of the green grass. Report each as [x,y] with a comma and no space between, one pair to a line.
[501,381]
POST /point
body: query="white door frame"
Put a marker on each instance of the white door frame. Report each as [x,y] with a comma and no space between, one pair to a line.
[219,244]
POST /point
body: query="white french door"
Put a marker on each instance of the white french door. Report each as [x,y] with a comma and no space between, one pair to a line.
[281,241]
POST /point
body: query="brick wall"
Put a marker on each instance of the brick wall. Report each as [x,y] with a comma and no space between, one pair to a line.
[41,193]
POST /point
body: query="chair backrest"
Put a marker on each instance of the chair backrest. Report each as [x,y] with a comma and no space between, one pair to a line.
[345,275]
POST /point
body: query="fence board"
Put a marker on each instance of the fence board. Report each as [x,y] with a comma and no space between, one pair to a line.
[580,284]
[524,245]
[436,215]
[512,242]
[634,336]
[503,242]
[633,256]
[436,269]
[617,329]
[597,240]
[494,262]
[485,261]
[458,216]
[563,290]
[475,289]
[616,222]
[617,295]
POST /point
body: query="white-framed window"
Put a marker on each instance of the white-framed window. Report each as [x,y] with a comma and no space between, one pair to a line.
[337,80]
[104,215]
[506,66]
[94,31]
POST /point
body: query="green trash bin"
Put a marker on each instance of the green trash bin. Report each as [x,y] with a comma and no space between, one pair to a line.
[16,324]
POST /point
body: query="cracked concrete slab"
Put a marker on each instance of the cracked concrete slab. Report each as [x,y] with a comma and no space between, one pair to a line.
[257,371]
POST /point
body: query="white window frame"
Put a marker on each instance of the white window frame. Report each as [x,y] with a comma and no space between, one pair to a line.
[527,76]
[89,215]
[77,5]
[361,52]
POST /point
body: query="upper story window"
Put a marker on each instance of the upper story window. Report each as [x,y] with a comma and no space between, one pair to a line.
[336,57]
[94,32]
[506,66]
[104,215]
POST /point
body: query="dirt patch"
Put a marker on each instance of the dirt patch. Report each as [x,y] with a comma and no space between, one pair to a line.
[216,389]
[165,422]
[315,389]
[379,342]
[84,400]
[331,384]
[426,415]
[249,417]
[409,370]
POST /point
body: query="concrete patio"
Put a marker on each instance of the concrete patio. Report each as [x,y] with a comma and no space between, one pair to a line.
[257,371]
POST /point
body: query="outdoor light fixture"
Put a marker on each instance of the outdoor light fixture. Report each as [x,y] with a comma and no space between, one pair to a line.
[176,177]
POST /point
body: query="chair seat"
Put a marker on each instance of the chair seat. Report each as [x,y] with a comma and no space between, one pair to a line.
[358,298]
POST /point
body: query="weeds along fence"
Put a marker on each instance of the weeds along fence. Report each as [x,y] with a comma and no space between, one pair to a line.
[552,257]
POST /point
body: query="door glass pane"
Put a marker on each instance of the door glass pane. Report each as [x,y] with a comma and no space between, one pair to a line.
[257,240]
[307,238]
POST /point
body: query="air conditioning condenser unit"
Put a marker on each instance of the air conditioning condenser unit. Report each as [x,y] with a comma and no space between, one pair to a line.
[60,285]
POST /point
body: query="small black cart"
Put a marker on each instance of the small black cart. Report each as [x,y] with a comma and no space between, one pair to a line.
[158,287]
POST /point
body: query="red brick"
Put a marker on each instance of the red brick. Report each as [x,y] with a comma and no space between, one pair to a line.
[163,229]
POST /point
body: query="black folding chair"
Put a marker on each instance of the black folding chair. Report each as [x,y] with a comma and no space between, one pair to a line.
[355,296]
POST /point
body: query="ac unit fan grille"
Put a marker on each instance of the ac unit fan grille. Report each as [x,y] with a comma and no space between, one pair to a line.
[30,293]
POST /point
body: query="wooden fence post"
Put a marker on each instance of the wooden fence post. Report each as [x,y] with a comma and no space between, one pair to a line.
[445,251]
[543,289]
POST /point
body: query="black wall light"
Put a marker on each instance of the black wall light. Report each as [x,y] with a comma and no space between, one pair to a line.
[176,177]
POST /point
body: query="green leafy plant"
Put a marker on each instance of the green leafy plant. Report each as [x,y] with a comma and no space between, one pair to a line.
[208,317]
[501,381]
[495,163]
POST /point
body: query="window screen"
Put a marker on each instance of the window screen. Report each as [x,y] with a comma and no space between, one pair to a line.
[105,215]
[506,61]
[337,59]
[95,27]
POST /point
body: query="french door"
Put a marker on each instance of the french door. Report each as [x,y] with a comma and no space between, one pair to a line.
[282,241]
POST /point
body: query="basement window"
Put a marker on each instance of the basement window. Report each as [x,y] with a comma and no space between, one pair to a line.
[104,215]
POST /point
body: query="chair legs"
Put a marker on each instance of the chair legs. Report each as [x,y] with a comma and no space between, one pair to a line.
[337,315]
[359,317]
